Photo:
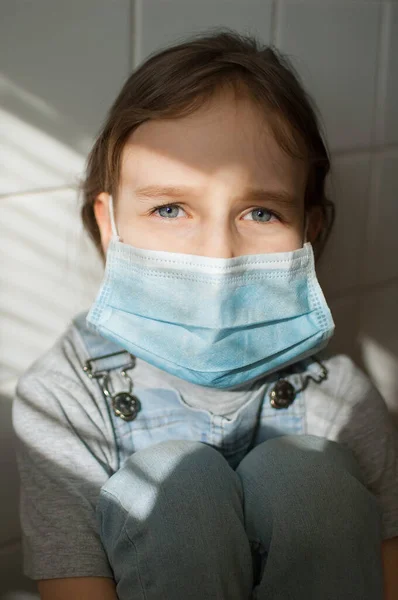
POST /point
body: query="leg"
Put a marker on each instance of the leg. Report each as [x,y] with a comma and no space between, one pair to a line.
[171,521]
[317,526]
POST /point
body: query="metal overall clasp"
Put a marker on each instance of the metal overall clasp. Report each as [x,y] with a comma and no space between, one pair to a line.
[124,404]
[284,393]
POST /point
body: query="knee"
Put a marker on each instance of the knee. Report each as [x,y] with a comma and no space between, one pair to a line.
[177,470]
[169,490]
[297,458]
[312,486]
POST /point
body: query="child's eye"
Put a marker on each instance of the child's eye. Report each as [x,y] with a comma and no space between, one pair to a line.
[169,210]
[262,215]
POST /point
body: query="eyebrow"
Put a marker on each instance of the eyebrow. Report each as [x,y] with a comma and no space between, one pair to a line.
[254,194]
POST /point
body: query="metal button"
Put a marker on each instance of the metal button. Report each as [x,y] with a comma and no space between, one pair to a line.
[282,394]
[126,406]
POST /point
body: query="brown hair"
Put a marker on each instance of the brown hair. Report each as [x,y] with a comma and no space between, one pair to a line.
[178,80]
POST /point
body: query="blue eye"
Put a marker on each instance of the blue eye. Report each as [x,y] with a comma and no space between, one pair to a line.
[261,215]
[169,210]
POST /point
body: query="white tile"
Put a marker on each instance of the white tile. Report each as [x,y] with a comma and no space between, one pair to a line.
[49,272]
[32,159]
[381,262]
[345,315]
[334,46]
[341,2]
[167,21]
[337,2]
[390,110]
[13,584]
[379,341]
[61,69]
[348,188]
[9,494]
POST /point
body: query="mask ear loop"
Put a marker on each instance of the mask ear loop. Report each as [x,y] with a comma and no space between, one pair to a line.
[112,218]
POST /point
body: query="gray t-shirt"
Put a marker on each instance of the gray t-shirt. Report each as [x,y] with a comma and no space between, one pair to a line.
[66,448]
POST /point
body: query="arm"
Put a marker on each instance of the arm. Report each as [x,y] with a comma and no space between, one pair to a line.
[389,552]
[64,458]
[78,588]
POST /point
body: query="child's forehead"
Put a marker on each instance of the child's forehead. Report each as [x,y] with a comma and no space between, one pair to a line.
[225,133]
[236,115]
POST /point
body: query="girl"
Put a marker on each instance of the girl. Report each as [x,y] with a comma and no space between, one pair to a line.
[189,437]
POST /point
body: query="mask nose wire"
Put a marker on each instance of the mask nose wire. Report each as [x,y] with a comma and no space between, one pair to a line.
[112,217]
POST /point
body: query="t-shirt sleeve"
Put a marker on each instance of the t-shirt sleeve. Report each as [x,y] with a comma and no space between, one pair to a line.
[358,418]
[63,460]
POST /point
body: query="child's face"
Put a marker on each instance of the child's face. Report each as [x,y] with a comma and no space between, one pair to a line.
[214,162]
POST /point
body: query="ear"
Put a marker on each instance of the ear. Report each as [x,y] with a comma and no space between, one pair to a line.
[316,222]
[101,212]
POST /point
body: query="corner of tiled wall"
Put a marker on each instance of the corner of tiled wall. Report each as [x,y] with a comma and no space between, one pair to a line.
[347,54]
[53,97]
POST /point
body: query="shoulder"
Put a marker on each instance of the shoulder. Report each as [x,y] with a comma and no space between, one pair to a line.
[346,397]
[56,405]
[61,366]
[56,389]
[347,408]
[344,375]
[63,363]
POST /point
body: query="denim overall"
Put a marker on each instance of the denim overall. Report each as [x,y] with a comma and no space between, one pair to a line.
[209,507]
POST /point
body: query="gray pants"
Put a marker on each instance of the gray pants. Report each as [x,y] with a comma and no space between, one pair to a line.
[293,521]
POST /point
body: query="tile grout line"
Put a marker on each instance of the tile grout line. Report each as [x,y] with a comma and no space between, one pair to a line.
[135,33]
[373,149]
[131,35]
[374,164]
[35,191]
[378,133]
[276,9]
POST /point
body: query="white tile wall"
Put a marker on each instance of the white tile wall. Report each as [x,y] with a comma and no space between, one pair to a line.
[339,266]
[382,240]
[62,68]
[9,521]
[161,22]
[390,129]
[14,586]
[49,272]
[345,311]
[335,47]
[379,340]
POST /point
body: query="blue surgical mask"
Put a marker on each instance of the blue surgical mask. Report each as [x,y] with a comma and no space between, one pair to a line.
[216,322]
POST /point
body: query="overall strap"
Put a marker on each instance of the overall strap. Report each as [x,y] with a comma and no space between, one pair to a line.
[106,354]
